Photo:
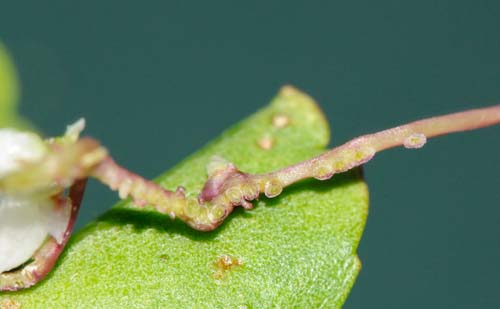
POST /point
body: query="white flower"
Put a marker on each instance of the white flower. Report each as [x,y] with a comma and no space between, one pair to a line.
[27,220]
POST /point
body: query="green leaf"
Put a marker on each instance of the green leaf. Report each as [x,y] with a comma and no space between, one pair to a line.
[298,249]
[8,86]
[9,92]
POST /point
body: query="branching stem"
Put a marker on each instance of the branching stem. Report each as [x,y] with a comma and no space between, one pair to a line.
[227,187]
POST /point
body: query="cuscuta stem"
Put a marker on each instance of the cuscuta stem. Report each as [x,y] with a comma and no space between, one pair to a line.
[227,187]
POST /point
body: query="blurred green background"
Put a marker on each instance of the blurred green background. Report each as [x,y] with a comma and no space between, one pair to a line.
[158,80]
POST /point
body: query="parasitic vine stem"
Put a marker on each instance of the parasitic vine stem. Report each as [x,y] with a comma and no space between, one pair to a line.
[68,164]
[227,187]
[362,149]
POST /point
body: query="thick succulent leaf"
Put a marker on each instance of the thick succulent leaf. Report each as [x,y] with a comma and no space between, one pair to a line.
[295,250]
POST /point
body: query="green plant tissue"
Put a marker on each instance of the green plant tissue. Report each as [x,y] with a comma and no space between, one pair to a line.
[9,92]
[296,250]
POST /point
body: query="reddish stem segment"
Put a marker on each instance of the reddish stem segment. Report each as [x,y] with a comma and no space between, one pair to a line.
[227,187]
[145,192]
[141,190]
[363,148]
[45,258]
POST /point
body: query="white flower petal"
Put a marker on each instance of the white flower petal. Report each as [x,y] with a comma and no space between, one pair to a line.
[24,225]
[57,221]
[17,147]
[23,228]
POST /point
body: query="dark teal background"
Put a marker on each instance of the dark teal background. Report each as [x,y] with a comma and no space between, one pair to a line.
[158,80]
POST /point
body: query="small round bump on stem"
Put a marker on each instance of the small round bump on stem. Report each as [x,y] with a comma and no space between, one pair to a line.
[415,141]
[273,187]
